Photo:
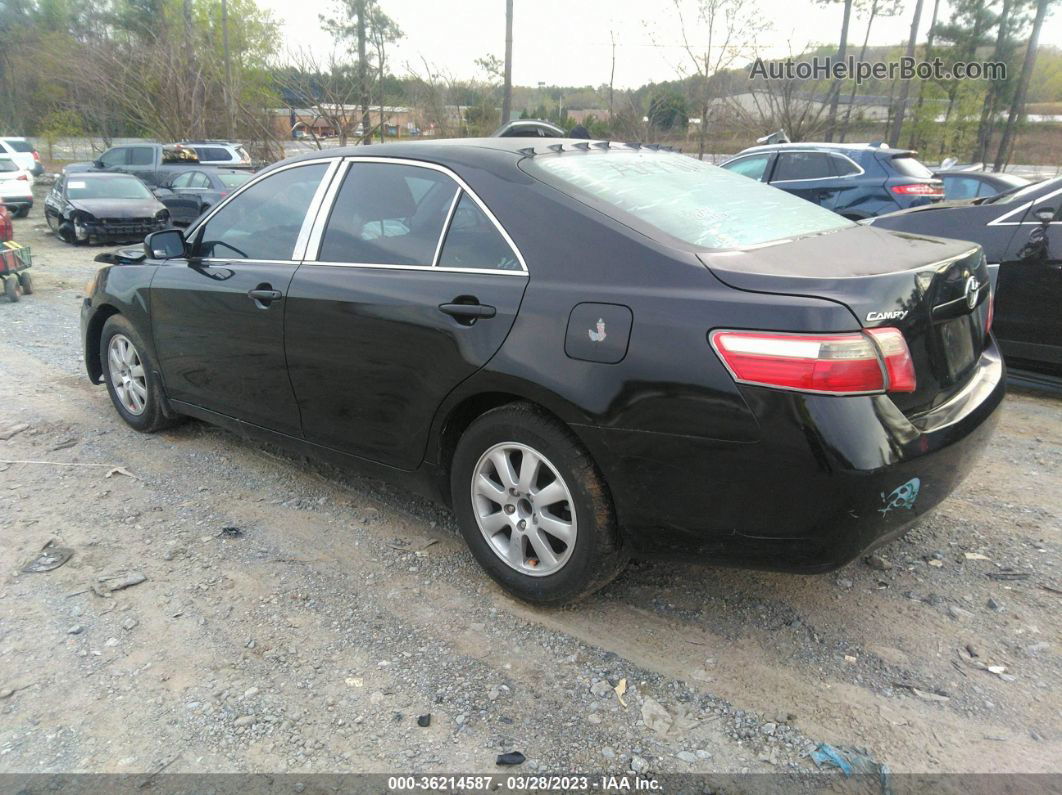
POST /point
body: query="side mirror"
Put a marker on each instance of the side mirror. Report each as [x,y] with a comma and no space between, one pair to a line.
[97,164]
[1045,215]
[167,244]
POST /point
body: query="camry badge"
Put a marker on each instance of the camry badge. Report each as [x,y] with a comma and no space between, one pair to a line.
[973,289]
[599,335]
[895,314]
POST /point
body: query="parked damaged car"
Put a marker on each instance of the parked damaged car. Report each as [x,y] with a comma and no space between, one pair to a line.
[591,351]
[191,193]
[83,207]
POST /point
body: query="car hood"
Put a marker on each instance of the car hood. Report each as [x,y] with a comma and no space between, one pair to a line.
[72,168]
[118,208]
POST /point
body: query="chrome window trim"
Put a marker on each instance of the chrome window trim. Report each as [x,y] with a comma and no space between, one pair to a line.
[313,250]
[192,231]
[419,268]
[446,227]
[223,261]
[1024,208]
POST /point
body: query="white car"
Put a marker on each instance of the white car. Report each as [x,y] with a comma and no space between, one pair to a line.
[16,187]
[22,152]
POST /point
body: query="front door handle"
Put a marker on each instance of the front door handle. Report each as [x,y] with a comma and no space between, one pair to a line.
[263,296]
[468,311]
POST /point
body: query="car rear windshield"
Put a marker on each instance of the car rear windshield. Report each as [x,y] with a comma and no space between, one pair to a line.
[233,180]
[107,188]
[909,166]
[7,164]
[19,146]
[683,198]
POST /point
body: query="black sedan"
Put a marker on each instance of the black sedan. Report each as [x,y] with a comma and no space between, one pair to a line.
[967,184]
[1021,233]
[82,207]
[191,193]
[590,351]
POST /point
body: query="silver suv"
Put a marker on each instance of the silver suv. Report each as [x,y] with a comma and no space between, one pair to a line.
[219,153]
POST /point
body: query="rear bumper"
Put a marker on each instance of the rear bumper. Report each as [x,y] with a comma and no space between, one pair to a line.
[829,479]
[17,202]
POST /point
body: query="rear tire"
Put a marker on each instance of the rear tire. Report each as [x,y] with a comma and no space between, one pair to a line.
[129,374]
[27,283]
[22,212]
[548,553]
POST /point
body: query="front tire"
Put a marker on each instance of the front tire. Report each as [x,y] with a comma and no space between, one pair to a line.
[130,376]
[533,507]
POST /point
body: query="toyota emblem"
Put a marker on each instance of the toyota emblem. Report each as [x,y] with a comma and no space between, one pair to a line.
[973,289]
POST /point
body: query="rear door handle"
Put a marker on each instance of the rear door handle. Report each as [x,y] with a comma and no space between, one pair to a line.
[264,297]
[468,311]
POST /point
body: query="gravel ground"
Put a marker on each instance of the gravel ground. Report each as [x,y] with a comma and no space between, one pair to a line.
[345,609]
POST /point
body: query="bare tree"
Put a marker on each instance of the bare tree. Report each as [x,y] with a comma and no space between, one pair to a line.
[885,8]
[716,34]
[507,84]
[1017,105]
[326,88]
[901,105]
[842,51]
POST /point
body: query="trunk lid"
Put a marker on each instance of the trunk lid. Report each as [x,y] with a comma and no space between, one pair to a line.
[935,291]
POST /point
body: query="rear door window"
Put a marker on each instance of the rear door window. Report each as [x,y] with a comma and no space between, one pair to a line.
[141,156]
[264,221]
[752,166]
[213,153]
[802,165]
[387,214]
[19,146]
[473,241]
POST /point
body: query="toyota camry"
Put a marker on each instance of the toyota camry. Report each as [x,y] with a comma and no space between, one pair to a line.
[589,350]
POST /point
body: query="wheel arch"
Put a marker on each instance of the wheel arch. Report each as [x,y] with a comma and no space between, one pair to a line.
[460,412]
[93,333]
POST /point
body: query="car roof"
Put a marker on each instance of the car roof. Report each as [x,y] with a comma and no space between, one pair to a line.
[457,150]
[100,175]
[839,147]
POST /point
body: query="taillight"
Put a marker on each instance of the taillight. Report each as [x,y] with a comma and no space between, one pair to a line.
[991,311]
[837,364]
[917,189]
[899,367]
[22,177]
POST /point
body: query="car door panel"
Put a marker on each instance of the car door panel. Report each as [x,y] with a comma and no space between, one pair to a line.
[218,318]
[371,355]
[1028,322]
[218,347]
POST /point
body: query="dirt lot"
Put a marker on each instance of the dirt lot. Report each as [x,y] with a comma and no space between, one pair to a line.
[346,609]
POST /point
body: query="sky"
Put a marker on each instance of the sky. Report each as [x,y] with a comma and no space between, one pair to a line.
[561,42]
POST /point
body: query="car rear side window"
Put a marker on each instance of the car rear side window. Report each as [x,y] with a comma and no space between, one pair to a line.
[473,241]
[802,165]
[681,198]
[213,153]
[141,156]
[961,187]
[910,167]
[387,214]
[7,164]
[843,166]
[264,221]
[752,166]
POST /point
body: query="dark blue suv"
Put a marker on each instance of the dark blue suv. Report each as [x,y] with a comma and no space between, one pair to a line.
[855,180]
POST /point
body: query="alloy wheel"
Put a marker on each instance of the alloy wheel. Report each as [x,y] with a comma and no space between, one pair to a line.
[127,374]
[524,509]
